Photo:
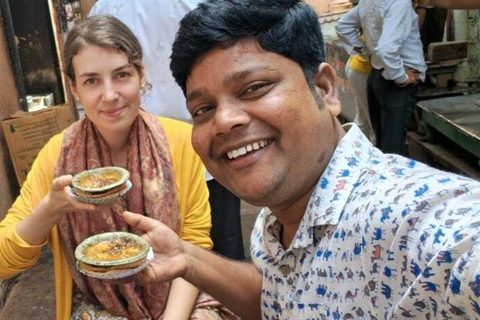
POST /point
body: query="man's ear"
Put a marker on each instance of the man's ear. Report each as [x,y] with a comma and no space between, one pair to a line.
[326,84]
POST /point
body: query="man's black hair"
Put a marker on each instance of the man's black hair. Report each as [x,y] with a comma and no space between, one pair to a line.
[287,27]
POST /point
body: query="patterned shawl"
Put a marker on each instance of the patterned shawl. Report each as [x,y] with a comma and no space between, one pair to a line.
[153,194]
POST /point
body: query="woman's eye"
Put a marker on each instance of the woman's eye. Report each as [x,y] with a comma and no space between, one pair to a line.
[122,75]
[91,81]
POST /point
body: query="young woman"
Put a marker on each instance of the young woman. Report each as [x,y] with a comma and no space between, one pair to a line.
[104,66]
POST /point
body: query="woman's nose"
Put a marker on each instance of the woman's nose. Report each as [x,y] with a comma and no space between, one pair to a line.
[109,92]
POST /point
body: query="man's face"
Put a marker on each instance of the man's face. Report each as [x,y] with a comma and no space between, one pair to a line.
[257,125]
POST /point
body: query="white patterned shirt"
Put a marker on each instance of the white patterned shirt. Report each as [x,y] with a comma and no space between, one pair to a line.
[383,237]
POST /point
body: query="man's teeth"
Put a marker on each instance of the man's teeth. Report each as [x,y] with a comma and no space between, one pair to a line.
[246,149]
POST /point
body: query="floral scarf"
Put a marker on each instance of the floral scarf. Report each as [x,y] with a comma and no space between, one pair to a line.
[153,194]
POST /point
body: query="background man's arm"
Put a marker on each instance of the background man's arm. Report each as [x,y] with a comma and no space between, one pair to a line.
[347,29]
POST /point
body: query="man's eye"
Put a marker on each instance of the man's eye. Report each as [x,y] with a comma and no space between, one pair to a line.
[255,87]
[201,111]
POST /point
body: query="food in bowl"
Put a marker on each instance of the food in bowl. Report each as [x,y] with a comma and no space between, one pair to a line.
[111,252]
[101,185]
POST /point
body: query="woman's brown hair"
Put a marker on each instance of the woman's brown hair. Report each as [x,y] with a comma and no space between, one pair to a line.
[105,32]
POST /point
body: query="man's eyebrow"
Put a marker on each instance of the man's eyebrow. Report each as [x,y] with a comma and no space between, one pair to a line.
[230,79]
[194,95]
[243,74]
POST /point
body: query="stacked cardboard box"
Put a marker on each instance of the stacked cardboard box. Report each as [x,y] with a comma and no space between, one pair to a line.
[27,132]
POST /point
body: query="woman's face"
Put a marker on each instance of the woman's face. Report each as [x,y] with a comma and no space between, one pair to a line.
[108,87]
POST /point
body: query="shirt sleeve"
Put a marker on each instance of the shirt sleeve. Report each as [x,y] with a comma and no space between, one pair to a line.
[396,28]
[347,29]
[16,255]
[444,256]
[463,287]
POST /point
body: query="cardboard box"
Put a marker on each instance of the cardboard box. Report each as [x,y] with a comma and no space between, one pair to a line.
[27,132]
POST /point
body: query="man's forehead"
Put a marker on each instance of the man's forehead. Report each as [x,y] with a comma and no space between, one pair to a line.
[241,51]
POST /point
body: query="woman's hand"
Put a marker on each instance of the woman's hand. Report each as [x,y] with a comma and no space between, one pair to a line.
[59,201]
[36,226]
[170,261]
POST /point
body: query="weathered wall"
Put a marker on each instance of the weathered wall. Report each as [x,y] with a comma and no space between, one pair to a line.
[86,6]
[466,28]
[8,105]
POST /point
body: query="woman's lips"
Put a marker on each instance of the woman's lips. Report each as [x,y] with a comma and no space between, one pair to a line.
[114,111]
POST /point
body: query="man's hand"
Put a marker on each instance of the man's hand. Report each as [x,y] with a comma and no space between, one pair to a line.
[363,52]
[412,78]
[170,261]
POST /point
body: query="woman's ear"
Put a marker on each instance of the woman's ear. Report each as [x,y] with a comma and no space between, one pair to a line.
[144,86]
[73,89]
[326,84]
[143,75]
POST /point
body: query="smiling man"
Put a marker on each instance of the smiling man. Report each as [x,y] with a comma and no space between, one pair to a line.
[347,231]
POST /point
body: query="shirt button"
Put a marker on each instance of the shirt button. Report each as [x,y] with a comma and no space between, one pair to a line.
[285,270]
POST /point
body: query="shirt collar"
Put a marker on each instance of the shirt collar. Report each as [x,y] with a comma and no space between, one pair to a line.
[335,185]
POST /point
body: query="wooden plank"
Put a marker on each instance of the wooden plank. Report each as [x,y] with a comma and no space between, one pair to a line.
[443,156]
[461,112]
[438,51]
[425,93]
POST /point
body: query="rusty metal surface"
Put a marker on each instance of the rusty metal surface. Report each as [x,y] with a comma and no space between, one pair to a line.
[461,112]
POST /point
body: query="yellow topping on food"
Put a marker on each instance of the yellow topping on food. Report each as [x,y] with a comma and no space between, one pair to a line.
[99,180]
[113,250]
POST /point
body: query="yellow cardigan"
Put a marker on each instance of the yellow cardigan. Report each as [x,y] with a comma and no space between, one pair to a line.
[16,255]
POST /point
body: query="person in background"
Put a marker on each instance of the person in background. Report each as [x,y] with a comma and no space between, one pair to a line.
[347,232]
[155,23]
[106,74]
[424,5]
[357,70]
[392,38]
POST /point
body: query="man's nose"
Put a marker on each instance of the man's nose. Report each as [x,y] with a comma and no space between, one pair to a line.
[230,116]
